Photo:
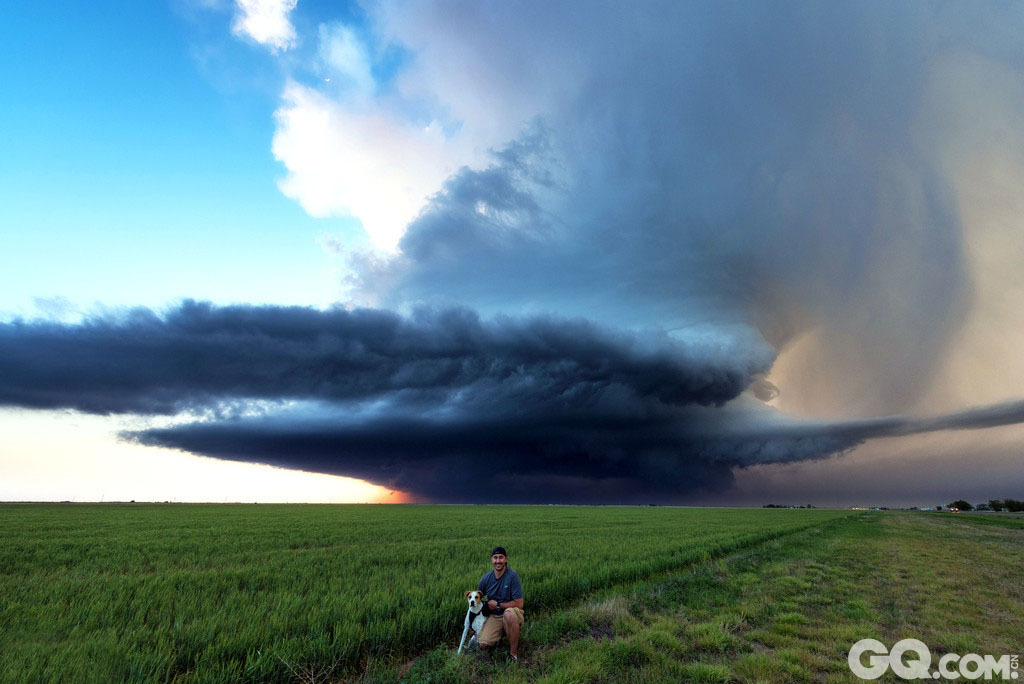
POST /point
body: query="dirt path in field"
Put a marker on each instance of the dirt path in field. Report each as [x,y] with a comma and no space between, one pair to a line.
[592,620]
[782,611]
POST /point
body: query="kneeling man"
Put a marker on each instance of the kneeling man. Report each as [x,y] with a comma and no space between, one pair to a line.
[505,599]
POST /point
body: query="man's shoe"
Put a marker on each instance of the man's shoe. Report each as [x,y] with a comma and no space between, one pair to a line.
[515,659]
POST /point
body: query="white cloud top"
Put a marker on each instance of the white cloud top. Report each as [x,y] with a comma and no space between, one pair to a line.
[360,162]
[266,22]
[377,148]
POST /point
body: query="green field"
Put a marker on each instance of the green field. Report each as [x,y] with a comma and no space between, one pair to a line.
[236,593]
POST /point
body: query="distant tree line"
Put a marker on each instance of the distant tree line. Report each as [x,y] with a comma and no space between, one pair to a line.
[993,505]
[785,506]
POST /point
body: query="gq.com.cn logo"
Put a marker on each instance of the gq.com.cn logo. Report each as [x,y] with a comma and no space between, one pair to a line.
[950,665]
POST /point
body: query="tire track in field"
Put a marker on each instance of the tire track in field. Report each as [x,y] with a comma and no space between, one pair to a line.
[708,556]
[787,610]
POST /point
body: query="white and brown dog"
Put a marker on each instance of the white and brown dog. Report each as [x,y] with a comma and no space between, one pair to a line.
[476,616]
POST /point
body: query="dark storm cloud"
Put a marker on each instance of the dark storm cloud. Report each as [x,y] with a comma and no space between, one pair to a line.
[197,355]
[772,166]
[441,404]
[558,457]
[740,171]
[549,455]
[767,438]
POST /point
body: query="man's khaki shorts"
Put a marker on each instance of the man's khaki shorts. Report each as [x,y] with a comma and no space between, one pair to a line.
[494,628]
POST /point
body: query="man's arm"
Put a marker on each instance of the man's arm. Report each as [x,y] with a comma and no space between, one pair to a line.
[514,603]
[516,591]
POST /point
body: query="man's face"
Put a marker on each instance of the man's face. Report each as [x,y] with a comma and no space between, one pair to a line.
[498,560]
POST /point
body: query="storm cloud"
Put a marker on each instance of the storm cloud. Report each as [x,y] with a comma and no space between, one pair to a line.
[198,355]
[532,455]
[637,211]
[441,404]
[775,171]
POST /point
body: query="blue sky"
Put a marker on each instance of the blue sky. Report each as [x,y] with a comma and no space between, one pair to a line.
[137,171]
[137,168]
[685,252]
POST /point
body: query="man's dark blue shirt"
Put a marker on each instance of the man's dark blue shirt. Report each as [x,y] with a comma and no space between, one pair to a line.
[504,589]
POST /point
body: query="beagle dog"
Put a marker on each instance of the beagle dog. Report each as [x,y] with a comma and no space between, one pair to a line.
[476,616]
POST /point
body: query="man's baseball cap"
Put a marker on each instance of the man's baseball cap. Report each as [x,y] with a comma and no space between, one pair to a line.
[499,549]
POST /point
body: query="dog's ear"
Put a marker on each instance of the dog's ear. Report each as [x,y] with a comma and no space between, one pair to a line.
[468,592]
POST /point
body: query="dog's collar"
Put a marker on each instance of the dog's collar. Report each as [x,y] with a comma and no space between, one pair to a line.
[484,610]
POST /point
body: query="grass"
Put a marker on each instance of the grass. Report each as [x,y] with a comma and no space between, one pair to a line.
[785,611]
[308,593]
[207,593]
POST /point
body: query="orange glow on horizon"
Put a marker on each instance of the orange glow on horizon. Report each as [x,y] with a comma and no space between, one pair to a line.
[66,456]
